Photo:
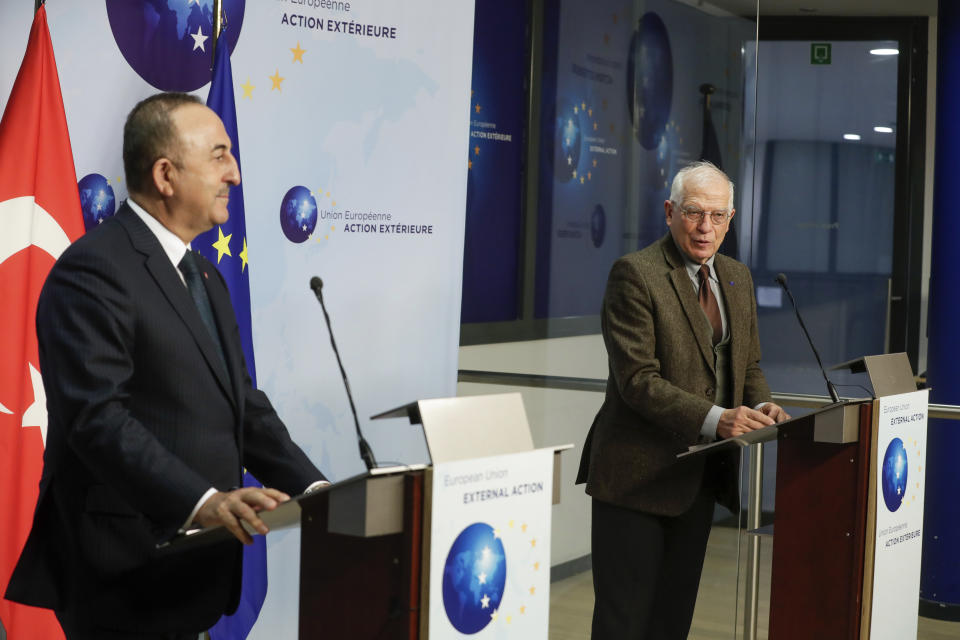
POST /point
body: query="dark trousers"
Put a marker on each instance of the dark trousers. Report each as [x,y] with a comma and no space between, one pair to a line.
[75,630]
[646,570]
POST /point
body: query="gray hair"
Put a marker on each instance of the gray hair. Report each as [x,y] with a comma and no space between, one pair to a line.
[697,173]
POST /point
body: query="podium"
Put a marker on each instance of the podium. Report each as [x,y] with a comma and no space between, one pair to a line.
[360,546]
[365,541]
[829,500]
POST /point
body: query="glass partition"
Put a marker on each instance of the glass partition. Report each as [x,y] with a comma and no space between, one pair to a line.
[821,133]
[628,97]
[825,166]
[618,97]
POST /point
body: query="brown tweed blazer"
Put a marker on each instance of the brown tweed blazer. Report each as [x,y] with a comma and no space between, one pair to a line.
[662,381]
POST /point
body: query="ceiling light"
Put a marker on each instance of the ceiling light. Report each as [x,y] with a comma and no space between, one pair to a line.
[884,52]
[851,136]
[883,129]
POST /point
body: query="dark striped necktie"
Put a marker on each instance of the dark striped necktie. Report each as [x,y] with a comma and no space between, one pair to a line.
[191,273]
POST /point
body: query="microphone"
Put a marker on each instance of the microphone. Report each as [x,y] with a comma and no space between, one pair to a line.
[781,280]
[366,453]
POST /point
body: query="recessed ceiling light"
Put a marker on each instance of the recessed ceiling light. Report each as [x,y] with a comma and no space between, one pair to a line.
[884,52]
[883,129]
[851,136]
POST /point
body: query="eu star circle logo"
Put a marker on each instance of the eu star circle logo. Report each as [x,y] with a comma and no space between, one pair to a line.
[97,200]
[298,214]
[168,42]
[893,474]
[474,576]
[567,142]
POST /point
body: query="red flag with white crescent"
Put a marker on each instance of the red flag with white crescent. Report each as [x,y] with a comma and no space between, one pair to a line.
[39,216]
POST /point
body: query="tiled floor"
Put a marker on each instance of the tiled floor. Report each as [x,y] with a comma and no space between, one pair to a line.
[715,618]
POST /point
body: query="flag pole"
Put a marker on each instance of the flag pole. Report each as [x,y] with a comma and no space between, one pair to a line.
[217,24]
[39,3]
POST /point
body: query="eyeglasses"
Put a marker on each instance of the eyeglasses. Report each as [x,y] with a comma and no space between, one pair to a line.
[696,215]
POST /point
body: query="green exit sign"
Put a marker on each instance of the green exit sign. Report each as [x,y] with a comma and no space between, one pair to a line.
[820,53]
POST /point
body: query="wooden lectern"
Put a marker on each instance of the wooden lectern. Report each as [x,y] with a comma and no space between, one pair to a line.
[360,558]
[365,540]
[359,554]
[364,546]
[823,544]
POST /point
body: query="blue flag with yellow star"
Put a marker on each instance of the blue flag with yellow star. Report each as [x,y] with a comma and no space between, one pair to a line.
[226,246]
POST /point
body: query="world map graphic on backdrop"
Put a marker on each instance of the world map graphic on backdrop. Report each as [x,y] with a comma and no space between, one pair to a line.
[168,42]
[368,127]
[649,79]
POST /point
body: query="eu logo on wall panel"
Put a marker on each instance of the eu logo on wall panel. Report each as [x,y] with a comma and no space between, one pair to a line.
[168,42]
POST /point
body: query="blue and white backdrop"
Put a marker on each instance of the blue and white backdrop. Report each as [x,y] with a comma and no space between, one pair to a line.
[353,119]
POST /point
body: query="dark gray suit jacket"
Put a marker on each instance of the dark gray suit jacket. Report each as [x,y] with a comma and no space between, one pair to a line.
[143,419]
[662,380]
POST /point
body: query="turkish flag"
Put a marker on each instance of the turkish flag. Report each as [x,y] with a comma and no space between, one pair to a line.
[39,216]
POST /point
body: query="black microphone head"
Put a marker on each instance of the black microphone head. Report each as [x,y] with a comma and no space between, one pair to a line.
[316,283]
[781,279]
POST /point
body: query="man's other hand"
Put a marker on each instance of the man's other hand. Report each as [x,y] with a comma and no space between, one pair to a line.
[736,422]
[775,412]
[231,507]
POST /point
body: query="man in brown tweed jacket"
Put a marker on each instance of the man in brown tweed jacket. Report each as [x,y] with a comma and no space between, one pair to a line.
[680,326]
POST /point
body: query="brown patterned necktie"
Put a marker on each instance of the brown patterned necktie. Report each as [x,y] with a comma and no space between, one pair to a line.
[708,302]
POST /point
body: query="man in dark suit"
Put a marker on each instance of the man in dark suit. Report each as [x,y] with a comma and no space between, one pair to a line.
[679,323]
[152,415]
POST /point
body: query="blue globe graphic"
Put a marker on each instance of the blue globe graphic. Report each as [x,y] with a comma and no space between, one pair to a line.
[567,142]
[656,179]
[649,79]
[97,200]
[163,40]
[893,474]
[298,214]
[474,576]
[598,225]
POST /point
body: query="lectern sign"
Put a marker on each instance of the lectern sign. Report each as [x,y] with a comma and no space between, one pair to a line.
[490,547]
[900,464]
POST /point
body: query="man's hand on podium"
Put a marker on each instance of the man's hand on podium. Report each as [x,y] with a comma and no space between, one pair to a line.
[736,422]
[232,509]
[775,411]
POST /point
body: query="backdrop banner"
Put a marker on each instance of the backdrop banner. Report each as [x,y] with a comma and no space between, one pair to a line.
[354,121]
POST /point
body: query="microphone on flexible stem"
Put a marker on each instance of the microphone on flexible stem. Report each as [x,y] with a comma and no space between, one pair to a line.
[366,453]
[781,280]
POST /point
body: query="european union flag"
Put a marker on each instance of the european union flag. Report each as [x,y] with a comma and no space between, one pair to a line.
[226,247]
